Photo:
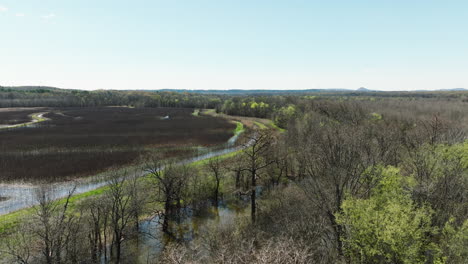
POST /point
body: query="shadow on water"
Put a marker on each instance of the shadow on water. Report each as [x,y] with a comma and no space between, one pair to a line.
[150,242]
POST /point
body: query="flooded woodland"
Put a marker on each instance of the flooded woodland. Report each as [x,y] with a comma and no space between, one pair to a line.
[263,179]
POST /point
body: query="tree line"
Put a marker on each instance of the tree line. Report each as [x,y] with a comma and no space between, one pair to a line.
[279,107]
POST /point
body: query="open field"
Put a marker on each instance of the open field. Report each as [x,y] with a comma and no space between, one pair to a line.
[79,142]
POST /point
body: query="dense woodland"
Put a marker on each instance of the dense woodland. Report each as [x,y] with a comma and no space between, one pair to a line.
[355,178]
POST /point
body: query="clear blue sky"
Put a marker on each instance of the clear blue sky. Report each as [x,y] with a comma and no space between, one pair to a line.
[245,44]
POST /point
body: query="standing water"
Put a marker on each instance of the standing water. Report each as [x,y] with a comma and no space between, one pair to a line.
[150,243]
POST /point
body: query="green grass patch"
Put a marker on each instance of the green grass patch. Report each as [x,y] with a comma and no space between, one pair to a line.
[196,112]
[10,220]
[209,111]
[239,128]
[274,126]
[376,116]
[260,125]
[37,118]
[221,157]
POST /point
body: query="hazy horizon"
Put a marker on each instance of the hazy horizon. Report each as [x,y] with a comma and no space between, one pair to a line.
[220,45]
[241,89]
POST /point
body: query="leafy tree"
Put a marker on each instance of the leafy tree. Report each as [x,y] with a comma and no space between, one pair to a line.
[441,174]
[455,242]
[284,114]
[387,227]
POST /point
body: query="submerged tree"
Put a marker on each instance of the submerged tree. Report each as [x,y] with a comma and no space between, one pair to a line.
[170,181]
[237,167]
[96,213]
[215,166]
[120,199]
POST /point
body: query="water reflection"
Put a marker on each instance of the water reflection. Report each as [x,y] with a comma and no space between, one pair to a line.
[150,242]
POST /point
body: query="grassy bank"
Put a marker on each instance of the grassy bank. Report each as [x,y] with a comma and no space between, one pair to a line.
[274,126]
[249,122]
[239,128]
[196,112]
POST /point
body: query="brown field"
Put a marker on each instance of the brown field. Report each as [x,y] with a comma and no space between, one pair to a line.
[78,142]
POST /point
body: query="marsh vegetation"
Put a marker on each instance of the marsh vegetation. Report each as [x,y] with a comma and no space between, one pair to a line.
[77,142]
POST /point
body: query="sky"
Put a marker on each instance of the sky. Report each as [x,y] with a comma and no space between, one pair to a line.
[227,44]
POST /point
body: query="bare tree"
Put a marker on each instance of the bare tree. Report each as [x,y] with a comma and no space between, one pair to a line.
[136,191]
[96,213]
[17,246]
[280,156]
[120,210]
[237,167]
[53,221]
[170,181]
[215,166]
[334,156]
[255,153]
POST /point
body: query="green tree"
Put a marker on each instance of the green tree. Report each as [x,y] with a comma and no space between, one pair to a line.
[441,174]
[455,242]
[387,227]
[284,114]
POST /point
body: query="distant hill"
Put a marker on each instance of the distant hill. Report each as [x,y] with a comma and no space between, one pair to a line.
[363,89]
[325,92]
[454,89]
[255,91]
[30,88]
[238,91]
[271,92]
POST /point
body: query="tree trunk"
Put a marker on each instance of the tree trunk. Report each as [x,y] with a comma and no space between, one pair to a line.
[216,194]
[253,197]
[238,174]
[338,232]
[167,211]
[118,249]
[136,215]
